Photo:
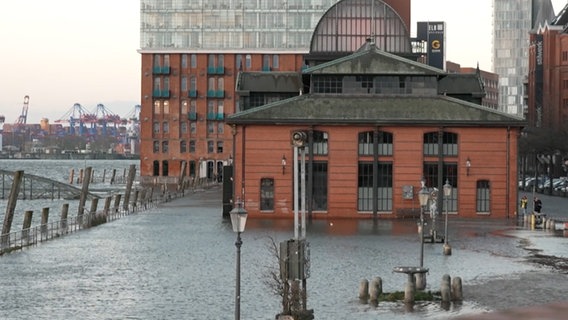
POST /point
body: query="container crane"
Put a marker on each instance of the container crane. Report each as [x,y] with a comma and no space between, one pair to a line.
[24,115]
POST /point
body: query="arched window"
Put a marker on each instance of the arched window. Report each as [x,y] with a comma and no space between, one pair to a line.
[449,143]
[165,168]
[320,142]
[266,194]
[156,168]
[483,197]
[366,143]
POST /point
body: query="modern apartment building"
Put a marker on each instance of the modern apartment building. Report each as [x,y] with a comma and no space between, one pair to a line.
[192,52]
[512,22]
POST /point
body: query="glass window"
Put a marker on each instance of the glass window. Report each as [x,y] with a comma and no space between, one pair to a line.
[366,143]
[166,107]
[365,187]
[210,147]
[193,61]
[182,146]
[184,61]
[157,109]
[220,127]
[483,197]
[210,127]
[192,83]
[239,62]
[320,142]
[192,127]
[267,194]
[192,146]
[449,143]
[219,146]
[275,61]
[248,61]
[156,147]
[183,83]
[165,145]
[166,127]
[220,60]
[184,107]
[156,127]
[450,170]
[183,127]
[211,60]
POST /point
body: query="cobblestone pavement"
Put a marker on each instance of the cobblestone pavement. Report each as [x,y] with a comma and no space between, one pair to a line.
[540,294]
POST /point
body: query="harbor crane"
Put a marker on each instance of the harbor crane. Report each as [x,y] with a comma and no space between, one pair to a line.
[24,115]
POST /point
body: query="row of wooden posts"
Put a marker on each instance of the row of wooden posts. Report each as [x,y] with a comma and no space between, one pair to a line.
[113,179]
[115,206]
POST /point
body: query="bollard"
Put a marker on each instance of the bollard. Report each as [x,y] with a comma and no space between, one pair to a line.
[457,294]
[410,290]
[376,289]
[445,289]
[420,281]
[364,290]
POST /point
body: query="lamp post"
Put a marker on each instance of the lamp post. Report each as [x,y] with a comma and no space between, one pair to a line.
[238,220]
[447,195]
[423,196]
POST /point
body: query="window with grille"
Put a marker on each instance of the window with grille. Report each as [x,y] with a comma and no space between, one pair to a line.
[483,197]
[366,143]
[365,187]
[320,142]
[449,144]
[267,194]
[450,173]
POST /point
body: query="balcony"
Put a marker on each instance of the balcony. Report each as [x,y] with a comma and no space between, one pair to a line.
[220,94]
[157,93]
[192,115]
[220,70]
[211,116]
[192,93]
[211,70]
[220,116]
[161,70]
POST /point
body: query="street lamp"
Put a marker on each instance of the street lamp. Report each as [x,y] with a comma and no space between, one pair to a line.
[238,220]
[423,196]
[447,195]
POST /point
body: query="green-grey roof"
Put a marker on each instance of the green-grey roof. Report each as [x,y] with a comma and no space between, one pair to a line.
[372,60]
[459,83]
[375,110]
[268,82]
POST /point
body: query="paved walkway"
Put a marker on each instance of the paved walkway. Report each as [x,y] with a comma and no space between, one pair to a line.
[536,299]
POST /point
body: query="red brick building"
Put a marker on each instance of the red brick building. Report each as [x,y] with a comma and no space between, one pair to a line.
[375,124]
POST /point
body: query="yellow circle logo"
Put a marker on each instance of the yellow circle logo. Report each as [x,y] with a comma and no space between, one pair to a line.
[436,44]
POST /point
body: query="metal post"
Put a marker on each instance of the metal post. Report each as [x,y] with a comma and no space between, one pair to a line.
[296,196]
[238,244]
[421,236]
[446,226]
[303,195]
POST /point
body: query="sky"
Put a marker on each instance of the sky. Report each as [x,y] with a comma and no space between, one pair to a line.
[91,47]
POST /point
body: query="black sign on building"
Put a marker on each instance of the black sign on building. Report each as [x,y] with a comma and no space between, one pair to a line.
[434,34]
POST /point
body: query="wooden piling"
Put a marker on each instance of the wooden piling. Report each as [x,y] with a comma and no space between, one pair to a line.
[129,182]
[117,202]
[113,176]
[71,176]
[83,198]
[80,177]
[92,211]
[64,213]
[44,220]
[11,206]
[26,226]
[104,175]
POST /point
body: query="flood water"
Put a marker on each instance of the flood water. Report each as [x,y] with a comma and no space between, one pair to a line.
[177,261]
